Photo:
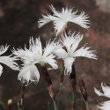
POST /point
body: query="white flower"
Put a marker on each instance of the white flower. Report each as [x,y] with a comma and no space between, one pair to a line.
[35,55]
[69,53]
[60,19]
[106,93]
[7,60]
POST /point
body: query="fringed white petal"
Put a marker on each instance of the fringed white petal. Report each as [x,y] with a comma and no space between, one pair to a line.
[55,12]
[44,20]
[59,25]
[81,20]
[105,89]
[66,14]
[104,105]
[3,49]
[51,61]
[50,47]
[98,92]
[76,40]
[85,52]
[10,62]
[22,53]
[32,54]
[72,41]
[62,18]
[68,62]
[29,74]
[67,41]
[35,46]
[1,70]
[61,53]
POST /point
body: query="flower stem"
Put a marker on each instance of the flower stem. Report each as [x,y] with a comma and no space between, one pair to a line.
[74,85]
[60,89]
[87,105]
[20,105]
[59,92]
[74,101]
[61,81]
[54,103]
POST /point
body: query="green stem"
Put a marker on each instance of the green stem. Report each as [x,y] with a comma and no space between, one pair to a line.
[55,106]
[61,81]
[59,92]
[87,105]
[74,85]
[74,101]
[60,89]
[20,105]
[48,106]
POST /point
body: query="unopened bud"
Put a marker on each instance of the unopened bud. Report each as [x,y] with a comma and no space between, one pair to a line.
[49,82]
[9,102]
[51,92]
[82,88]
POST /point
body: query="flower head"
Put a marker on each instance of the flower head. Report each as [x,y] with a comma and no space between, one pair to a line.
[60,19]
[7,60]
[35,55]
[69,51]
[106,93]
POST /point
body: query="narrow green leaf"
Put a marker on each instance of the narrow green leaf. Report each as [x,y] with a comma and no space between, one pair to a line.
[48,106]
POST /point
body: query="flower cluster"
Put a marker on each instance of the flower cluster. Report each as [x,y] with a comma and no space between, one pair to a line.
[37,55]
[66,49]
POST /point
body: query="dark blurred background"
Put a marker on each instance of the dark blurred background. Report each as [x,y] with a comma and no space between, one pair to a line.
[18,21]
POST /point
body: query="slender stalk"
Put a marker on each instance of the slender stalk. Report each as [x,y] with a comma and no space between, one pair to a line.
[59,92]
[62,73]
[61,77]
[74,85]
[48,106]
[20,103]
[87,105]
[60,89]
[61,81]
[55,106]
